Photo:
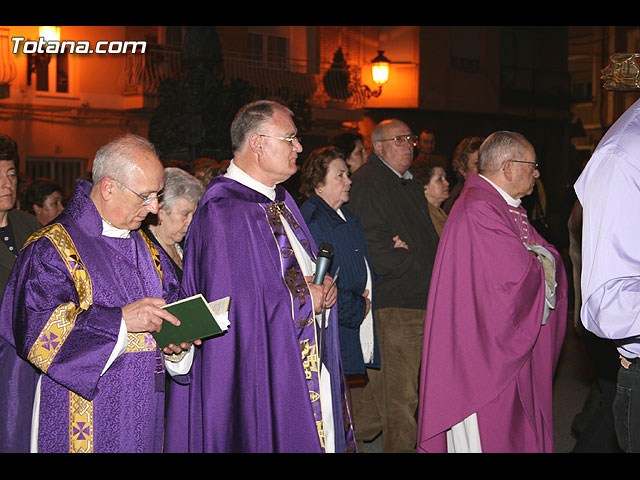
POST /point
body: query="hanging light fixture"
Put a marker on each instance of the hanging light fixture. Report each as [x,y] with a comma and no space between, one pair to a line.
[380,69]
[380,74]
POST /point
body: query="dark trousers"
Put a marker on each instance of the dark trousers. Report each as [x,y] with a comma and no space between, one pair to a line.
[626,407]
[599,435]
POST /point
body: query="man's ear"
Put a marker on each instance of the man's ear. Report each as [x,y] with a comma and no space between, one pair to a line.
[107,187]
[377,148]
[255,143]
[507,170]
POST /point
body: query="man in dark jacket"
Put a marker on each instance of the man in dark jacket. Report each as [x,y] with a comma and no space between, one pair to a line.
[402,241]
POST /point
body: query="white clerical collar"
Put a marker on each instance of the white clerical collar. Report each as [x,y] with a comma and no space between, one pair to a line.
[406,175]
[507,198]
[236,173]
[109,230]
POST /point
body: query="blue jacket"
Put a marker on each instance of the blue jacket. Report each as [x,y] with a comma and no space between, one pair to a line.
[349,248]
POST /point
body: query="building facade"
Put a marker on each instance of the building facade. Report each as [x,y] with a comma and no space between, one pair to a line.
[182,90]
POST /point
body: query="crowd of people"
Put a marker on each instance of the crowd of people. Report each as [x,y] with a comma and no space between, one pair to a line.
[438,323]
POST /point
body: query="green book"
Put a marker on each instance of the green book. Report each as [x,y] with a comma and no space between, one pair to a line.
[199,319]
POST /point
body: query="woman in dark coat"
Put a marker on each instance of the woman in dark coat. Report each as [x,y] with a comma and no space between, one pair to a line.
[325,186]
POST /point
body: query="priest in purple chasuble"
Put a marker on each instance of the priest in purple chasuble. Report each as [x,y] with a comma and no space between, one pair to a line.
[496,316]
[273,382]
[81,301]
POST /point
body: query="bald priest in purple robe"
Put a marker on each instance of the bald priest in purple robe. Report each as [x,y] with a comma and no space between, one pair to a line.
[79,306]
[274,381]
[496,316]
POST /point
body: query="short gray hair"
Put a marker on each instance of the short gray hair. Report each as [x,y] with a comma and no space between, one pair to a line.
[498,148]
[250,117]
[180,184]
[380,129]
[115,159]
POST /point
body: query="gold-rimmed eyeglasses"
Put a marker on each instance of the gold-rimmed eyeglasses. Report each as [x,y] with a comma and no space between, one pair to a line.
[145,200]
[289,140]
[400,140]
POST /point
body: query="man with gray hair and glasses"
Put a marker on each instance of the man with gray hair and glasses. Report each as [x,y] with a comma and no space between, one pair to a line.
[82,300]
[496,316]
[274,381]
[402,241]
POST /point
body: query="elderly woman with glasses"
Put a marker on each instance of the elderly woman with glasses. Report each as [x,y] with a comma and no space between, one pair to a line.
[178,203]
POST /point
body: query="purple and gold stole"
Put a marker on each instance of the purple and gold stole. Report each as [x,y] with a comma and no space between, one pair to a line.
[302,307]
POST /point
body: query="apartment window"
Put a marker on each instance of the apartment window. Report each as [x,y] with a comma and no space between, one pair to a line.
[64,171]
[51,72]
[269,49]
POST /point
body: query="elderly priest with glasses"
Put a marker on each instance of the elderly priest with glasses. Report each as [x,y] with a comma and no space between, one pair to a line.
[82,300]
[496,316]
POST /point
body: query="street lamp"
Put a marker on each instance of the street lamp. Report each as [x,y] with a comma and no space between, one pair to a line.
[379,72]
[380,69]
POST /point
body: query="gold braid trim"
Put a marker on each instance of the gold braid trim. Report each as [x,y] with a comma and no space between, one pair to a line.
[80,424]
[144,341]
[155,255]
[63,319]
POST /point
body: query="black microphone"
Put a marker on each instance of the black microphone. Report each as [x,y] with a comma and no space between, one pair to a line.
[325,255]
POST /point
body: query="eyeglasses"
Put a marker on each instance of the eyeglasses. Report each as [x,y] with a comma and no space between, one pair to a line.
[536,164]
[399,140]
[145,200]
[289,140]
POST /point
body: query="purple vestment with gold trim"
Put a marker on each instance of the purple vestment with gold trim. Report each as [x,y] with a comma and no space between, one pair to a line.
[255,388]
[65,296]
[487,349]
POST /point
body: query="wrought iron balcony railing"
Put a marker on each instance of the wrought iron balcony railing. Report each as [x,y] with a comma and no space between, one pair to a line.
[142,74]
[283,80]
